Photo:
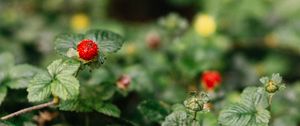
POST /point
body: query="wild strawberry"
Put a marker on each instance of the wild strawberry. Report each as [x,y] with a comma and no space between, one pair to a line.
[123,82]
[210,79]
[87,49]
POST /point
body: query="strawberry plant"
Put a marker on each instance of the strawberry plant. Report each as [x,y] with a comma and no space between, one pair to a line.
[184,63]
[59,82]
[254,107]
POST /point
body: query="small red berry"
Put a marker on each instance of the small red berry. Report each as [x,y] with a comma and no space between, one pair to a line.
[210,79]
[123,82]
[87,49]
[153,40]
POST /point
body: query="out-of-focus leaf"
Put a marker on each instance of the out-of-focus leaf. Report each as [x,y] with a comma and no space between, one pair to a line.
[140,79]
[102,91]
[6,61]
[152,110]
[108,109]
[2,76]
[3,92]
[208,118]
[20,76]
[74,105]
[99,76]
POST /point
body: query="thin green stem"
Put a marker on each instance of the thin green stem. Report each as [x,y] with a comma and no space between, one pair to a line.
[270,101]
[270,107]
[79,69]
[195,115]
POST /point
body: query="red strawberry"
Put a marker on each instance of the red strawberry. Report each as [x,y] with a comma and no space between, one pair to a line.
[87,49]
[123,82]
[210,79]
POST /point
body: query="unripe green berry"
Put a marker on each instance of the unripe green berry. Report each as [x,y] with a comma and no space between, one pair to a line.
[271,87]
[193,104]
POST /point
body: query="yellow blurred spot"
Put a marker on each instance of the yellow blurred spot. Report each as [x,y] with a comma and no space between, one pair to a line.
[130,49]
[80,22]
[271,40]
[205,25]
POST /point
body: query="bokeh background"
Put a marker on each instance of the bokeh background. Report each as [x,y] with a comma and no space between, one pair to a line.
[169,44]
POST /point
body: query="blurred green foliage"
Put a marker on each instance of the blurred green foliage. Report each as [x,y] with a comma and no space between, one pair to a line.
[164,56]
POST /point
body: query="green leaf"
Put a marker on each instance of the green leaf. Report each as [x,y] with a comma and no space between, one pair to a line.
[20,76]
[178,107]
[108,109]
[152,110]
[3,92]
[6,61]
[208,118]
[39,87]
[18,83]
[67,67]
[177,118]
[103,91]
[244,115]
[23,70]
[66,41]
[3,76]
[99,76]
[55,67]
[74,105]
[276,78]
[70,67]
[98,62]
[107,41]
[250,112]
[256,96]
[65,87]
[264,80]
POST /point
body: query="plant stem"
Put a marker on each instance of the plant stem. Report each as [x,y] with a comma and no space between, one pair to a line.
[269,107]
[55,101]
[270,101]
[77,72]
[195,114]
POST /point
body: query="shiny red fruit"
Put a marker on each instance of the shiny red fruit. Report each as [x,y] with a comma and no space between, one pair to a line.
[211,79]
[87,49]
